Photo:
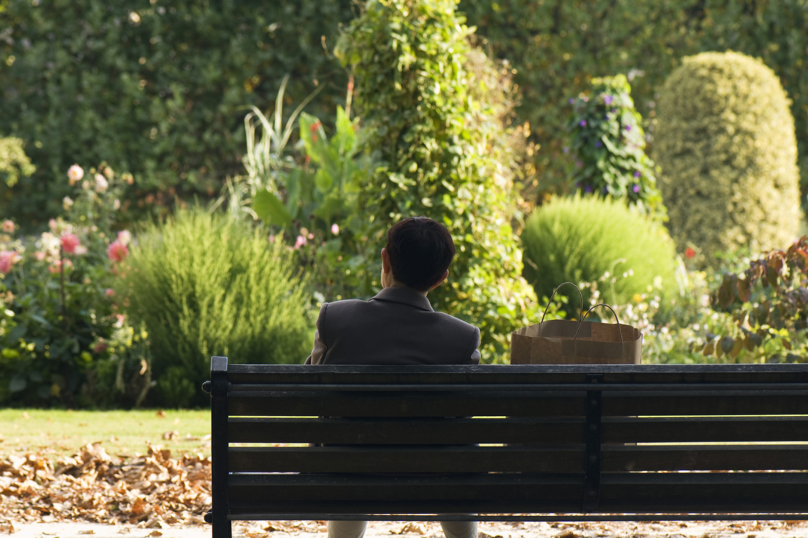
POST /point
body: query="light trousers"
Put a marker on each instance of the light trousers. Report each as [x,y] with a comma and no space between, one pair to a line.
[356,529]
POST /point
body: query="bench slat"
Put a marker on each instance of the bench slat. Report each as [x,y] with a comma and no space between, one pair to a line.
[400,404]
[407,431]
[678,403]
[704,429]
[407,459]
[704,458]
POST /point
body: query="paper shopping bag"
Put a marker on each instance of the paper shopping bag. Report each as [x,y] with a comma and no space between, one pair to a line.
[576,342]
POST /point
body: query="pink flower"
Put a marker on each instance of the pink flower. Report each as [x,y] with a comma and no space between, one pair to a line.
[335,229]
[57,265]
[311,235]
[7,259]
[100,183]
[8,227]
[52,224]
[109,292]
[301,240]
[117,251]
[690,253]
[39,255]
[100,347]
[70,243]
[124,237]
[74,174]
[271,238]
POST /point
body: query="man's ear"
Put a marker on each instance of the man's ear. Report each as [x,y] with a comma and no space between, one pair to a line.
[445,275]
[386,267]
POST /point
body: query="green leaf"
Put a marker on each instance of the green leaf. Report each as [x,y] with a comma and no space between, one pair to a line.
[324,181]
[270,209]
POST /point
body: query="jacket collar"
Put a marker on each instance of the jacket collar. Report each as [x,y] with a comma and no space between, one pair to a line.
[404,296]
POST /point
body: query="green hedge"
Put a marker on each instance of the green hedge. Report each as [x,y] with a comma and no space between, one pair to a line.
[725,145]
[157,87]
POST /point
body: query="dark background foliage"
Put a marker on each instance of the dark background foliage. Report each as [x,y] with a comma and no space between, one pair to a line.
[75,90]
[158,88]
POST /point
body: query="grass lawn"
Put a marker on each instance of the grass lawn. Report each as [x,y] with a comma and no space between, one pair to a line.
[59,433]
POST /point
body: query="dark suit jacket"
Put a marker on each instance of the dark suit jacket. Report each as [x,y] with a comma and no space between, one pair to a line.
[396,327]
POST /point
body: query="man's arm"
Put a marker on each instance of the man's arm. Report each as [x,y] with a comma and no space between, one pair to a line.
[320,347]
[473,353]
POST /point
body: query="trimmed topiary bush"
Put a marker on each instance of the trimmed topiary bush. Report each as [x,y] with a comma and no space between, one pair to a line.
[580,239]
[725,143]
[435,127]
[207,284]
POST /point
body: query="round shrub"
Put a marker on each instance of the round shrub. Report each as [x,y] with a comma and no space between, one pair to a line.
[725,143]
[580,239]
[207,284]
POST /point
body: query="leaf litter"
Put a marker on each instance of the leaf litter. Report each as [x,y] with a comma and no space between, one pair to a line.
[152,491]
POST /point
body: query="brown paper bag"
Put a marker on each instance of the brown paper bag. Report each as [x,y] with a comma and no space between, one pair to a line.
[576,342]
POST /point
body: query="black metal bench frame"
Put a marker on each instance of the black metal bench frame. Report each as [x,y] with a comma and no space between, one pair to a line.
[538,443]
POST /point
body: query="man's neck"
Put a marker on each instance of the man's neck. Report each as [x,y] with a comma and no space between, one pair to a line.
[395,284]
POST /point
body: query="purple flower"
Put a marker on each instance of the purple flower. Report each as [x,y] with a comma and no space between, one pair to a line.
[598,144]
[636,188]
[572,100]
[608,99]
[588,189]
[582,123]
[637,174]
[628,127]
[586,99]
[566,150]
[579,164]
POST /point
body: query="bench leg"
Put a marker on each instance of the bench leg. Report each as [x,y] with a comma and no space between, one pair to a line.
[222,528]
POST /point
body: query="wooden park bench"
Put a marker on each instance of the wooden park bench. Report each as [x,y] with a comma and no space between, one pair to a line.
[530,443]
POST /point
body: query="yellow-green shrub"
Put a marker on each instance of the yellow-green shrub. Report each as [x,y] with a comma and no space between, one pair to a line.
[725,143]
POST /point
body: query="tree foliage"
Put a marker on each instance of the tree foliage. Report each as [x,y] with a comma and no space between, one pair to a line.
[438,152]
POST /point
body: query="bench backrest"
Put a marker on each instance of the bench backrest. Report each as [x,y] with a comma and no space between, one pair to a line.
[509,439]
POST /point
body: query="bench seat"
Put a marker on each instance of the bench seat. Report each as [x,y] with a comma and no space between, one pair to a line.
[516,442]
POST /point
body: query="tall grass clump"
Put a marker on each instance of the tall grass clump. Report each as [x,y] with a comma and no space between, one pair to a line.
[207,284]
[581,239]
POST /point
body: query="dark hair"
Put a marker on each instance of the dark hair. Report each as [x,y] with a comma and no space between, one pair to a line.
[420,250]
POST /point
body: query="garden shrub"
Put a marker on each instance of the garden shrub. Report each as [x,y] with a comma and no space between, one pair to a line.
[725,143]
[608,145]
[158,88]
[63,339]
[438,152]
[586,239]
[208,284]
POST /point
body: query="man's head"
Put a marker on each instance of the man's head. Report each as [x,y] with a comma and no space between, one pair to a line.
[418,254]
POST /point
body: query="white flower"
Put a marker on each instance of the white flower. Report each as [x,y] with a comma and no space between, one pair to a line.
[124,237]
[100,183]
[67,202]
[116,205]
[74,174]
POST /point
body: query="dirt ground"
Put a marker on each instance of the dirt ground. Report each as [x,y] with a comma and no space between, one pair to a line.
[310,529]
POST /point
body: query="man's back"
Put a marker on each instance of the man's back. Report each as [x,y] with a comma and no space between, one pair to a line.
[396,327]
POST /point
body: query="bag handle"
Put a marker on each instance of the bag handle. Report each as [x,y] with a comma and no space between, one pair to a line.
[553,295]
[590,310]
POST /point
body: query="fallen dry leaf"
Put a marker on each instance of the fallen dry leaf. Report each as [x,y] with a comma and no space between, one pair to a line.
[411,528]
[566,534]
[161,414]
[89,531]
[94,486]
[155,534]
[171,435]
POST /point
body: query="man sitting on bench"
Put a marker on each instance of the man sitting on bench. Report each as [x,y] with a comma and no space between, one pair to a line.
[398,326]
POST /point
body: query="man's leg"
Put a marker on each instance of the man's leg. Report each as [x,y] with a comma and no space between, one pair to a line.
[348,529]
[459,529]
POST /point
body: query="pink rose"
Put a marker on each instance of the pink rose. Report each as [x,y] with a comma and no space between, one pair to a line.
[70,243]
[39,255]
[301,240]
[109,292]
[335,229]
[117,251]
[74,174]
[7,259]
[57,265]
[8,227]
